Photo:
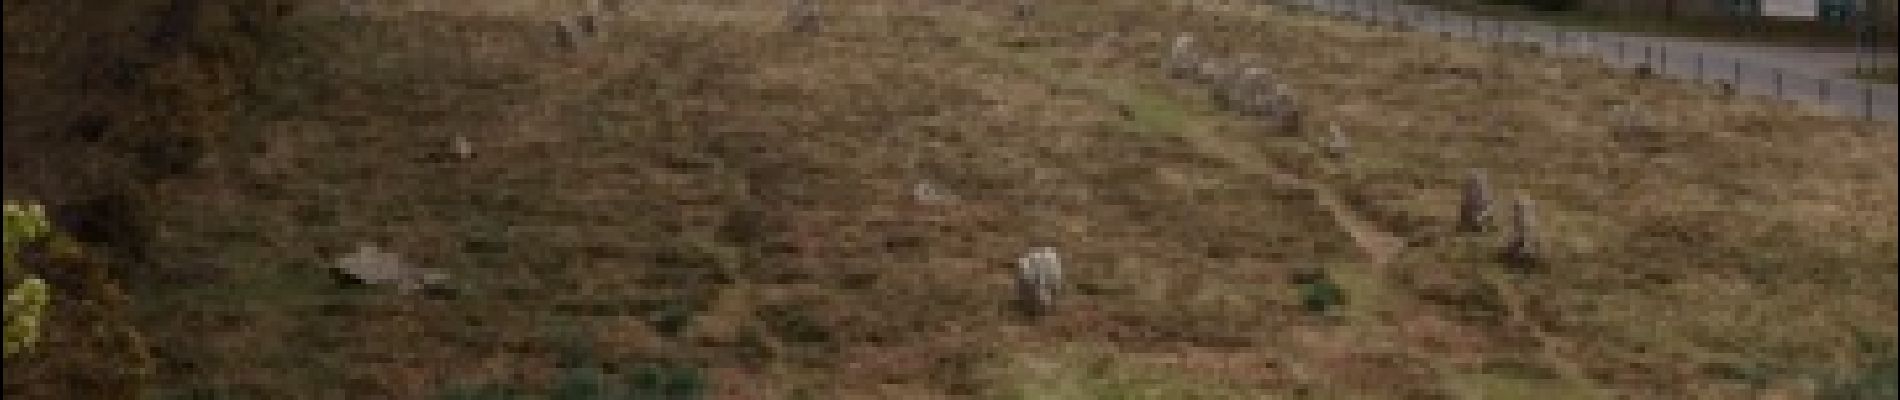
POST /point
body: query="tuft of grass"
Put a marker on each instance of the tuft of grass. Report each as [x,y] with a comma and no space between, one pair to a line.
[1499,386]
[1882,381]
[1092,372]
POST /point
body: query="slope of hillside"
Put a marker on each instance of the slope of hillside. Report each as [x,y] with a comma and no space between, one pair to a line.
[702,195]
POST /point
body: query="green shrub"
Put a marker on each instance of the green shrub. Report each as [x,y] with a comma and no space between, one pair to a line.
[1319,294]
[26,305]
[648,382]
[26,301]
[1882,381]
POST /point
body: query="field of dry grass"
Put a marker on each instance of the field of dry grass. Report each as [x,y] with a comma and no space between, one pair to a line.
[704,194]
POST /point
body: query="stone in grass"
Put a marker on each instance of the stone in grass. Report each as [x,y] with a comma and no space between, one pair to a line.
[1182,63]
[462,148]
[929,193]
[1211,72]
[587,24]
[1644,70]
[1335,145]
[1255,93]
[371,265]
[1628,120]
[1282,109]
[1474,207]
[1240,89]
[567,35]
[1038,278]
[1632,129]
[1521,248]
[803,16]
[458,148]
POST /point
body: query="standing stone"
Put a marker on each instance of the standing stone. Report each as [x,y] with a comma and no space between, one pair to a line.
[1522,245]
[1474,209]
[567,36]
[1336,144]
[1284,112]
[370,264]
[803,16]
[588,25]
[1252,94]
[1211,72]
[927,193]
[1038,278]
[461,148]
[1182,63]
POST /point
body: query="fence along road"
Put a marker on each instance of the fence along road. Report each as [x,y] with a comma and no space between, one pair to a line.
[1808,75]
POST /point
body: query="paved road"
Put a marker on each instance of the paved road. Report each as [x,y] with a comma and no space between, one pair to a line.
[1804,74]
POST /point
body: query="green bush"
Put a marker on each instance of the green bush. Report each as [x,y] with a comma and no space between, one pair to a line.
[650,382]
[26,301]
[1882,381]
[1319,294]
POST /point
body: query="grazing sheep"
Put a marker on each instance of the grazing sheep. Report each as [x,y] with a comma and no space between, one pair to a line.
[1038,277]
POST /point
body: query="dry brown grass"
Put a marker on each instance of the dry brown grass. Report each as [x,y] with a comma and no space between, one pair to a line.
[1733,199]
[706,190]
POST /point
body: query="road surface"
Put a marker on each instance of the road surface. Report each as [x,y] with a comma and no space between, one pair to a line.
[1810,75]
